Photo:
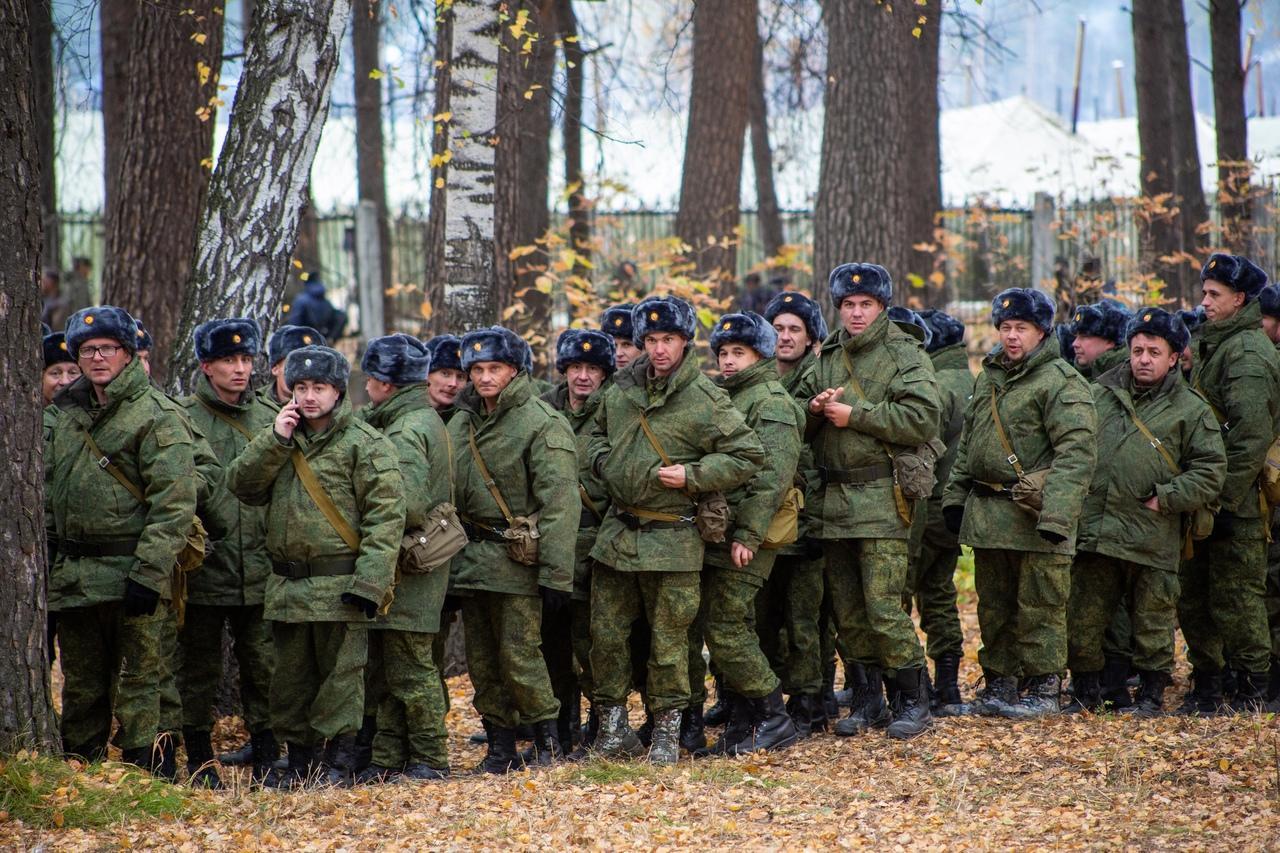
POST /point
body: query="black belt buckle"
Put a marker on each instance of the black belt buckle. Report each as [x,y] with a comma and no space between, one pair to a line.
[292,569]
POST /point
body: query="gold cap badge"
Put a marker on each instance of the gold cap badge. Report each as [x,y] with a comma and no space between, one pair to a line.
[62,346]
[786,299]
[235,339]
[726,326]
[88,321]
[1212,264]
[1146,318]
[653,315]
[617,321]
[586,346]
[306,339]
[477,346]
[1004,304]
[857,278]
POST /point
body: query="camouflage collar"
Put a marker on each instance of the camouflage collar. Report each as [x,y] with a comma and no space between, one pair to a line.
[1000,372]
[791,379]
[516,393]
[205,392]
[1212,335]
[760,372]
[634,379]
[953,357]
[558,397]
[872,335]
[308,442]
[408,398]
[130,384]
[1118,381]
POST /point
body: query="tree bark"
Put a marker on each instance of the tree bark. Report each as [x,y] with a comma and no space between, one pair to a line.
[116,25]
[574,85]
[249,223]
[371,181]
[434,305]
[1230,126]
[924,153]
[26,700]
[770,218]
[163,172]
[1193,213]
[43,103]
[724,32]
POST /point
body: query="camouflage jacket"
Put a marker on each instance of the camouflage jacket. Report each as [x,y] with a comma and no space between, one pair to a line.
[1115,522]
[531,454]
[901,409]
[698,426]
[955,387]
[140,430]
[422,445]
[1109,360]
[1237,370]
[1048,415]
[266,395]
[358,468]
[808,474]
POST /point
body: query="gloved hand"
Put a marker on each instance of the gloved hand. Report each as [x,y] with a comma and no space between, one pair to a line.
[553,600]
[138,599]
[360,603]
[1052,537]
[1224,524]
[953,517]
[452,604]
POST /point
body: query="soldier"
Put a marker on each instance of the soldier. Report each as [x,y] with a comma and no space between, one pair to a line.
[1269,301]
[860,513]
[934,549]
[411,742]
[1098,337]
[145,345]
[517,465]
[446,377]
[60,369]
[335,516]
[229,588]
[734,572]
[283,341]
[1031,421]
[616,322]
[1221,609]
[115,553]
[585,358]
[664,434]
[1164,457]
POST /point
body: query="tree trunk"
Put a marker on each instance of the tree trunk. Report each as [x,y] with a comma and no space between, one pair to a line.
[433,288]
[724,32]
[371,181]
[866,208]
[1230,126]
[574,84]
[116,25]
[249,223]
[924,153]
[1193,213]
[26,700]
[762,155]
[43,105]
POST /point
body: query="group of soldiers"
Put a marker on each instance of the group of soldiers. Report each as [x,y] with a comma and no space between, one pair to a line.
[640,523]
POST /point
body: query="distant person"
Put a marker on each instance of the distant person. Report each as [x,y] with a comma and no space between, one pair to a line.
[60,369]
[755,297]
[77,291]
[313,308]
[53,309]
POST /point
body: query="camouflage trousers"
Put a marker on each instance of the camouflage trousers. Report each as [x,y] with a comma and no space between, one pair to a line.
[866,578]
[669,601]
[835,648]
[111,665]
[580,630]
[438,643]
[1022,611]
[1221,609]
[1098,585]
[787,622]
[170,694]
[200,663]
[504,660]
[727,616]
[410,700]
[557,651]
[932,584]
[317,688]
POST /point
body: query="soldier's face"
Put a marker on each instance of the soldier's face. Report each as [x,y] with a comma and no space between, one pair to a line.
[1150,358]
[100,369]
[584,379]
[1020,338]
[859,311]
[443,385]
[491,377]
[1220,302]
[315,399]
[230,374]
[1271,326]
[56,377]
[1088,347]
[378,391]
[736,357]
[624,352]
[144,356]
[665,351]
[793,337]
[282,390]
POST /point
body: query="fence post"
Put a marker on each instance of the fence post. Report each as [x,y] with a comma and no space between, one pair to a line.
[369,272]
[1042,242]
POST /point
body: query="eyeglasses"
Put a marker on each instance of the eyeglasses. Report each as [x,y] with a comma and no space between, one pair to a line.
[106,351]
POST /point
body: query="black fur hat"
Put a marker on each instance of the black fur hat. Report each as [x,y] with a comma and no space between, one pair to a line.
[657,314]
[286,339]
[791,302]
[319,364]
[947,330]
[1194,318]
[1066,342]
[493,344]
[585,345]
[1236,272]
[101,321]
[232,336]
[616,321]
[911,323]
[851,279]
[1023,303]
[1161,323]
[1106,320]
[747,328]
[446,352]
[398,359]
[55,349]
[146,343]
[1269,301]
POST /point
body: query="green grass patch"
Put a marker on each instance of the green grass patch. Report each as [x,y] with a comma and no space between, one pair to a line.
[44,791]
[727,773]
[964,571]
[605,772]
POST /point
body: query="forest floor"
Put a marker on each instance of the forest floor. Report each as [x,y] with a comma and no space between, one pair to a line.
[1089,781]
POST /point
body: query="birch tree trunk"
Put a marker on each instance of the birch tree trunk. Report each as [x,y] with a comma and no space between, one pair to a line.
[250,220]
[26,703]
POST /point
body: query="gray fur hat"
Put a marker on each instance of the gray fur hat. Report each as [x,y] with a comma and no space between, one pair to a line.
[397,359]
[585,346]
[657,314]
[791,302]
[101,321]
[852,279]
[1023,303]
[318,364]
[1161,324]
[286,339]
[947,330]
[493,344]
[1105,320]
[747,328]
[1236,272]
[231,336]
[446,352]
[911,323]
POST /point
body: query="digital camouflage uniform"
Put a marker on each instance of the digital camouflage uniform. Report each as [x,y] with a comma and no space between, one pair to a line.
[112,662]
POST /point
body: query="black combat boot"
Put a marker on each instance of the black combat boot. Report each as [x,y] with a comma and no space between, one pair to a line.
[377,774]
[616,739]
[587,739]
[665,748]
[1038,699]
[818,719]
[416,771]
[911,715]
[772,729]
[829,701]
[800,713]
[1204,699]
[296,774]
[139,756]
[500,757]
[1251,696]
[999,692]
[340,757]
[737,729]
[238,757]
[1229,682]
[693,732]
[546,744]
[645,732]
[1150,700]
[868,709]
[1085,694]
[717,714]
[1115,683]
[200,766]
[164,757]
[1273,682]
[363,754]
[569,724]
[946,700]
[265,753]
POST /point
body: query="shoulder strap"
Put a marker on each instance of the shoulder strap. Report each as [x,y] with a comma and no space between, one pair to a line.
[1203,396]
[105,463]
[226,419]
[488,478]
[653,439]
[857,389]
[1004,439]
[590,504]
[323,501]
[448,443]
[1156,443]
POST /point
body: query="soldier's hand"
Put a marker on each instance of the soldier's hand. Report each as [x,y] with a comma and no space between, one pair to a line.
[672,476]
[1152,503]
[741,554]
[553,600]
[361,603]
[819,402]
[287,420]
[138,599]
[837,413]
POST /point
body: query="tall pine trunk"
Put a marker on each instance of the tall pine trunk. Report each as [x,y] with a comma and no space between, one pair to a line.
[1230,126]
[770,217]
[371,181]
[43,102]
[924,150]
[115,29]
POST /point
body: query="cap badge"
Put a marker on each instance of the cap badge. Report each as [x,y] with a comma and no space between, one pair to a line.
[857,278]
[477,346]
[586,346]
[726,326]
[88,320]
[235,339]
[653,315]
[1146,318]
[617,321]
[307,363]
[786,299]
[1004,304]
[306,339]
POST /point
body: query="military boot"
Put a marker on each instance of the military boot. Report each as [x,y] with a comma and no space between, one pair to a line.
[296,773]
[139,756]
[1229,682]
[999,692]
[1150,699]
[911,714]
[363,754]
[239,756]
[1273,681]
[717,714]
[799,712]
[416,771]
[377,774]
[500,757]
[693,732]
[1204,699]
[1039,699]
[265,752]
[338,769]
[1115,683]
[587,740]
[868,709]
[1251,696]
[616,739]
[772,727]
[645,732]
[546,744]
[665,748]
[829,701]
[200,766]
[818,720]
[736,730]
[1085,694]
[946,700]
[164,757]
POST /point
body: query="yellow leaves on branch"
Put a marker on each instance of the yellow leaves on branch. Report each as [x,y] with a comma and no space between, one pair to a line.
[438,160]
